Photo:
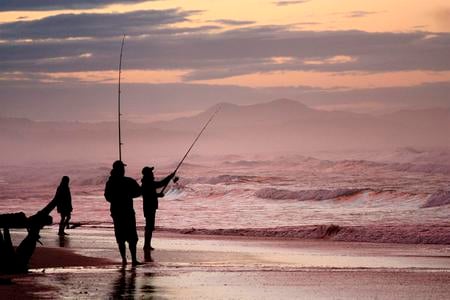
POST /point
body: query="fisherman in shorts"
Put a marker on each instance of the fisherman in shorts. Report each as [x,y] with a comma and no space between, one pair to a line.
[119,192]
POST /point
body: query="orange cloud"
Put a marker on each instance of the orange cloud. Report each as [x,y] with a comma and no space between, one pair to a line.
[128,76]
[331,80]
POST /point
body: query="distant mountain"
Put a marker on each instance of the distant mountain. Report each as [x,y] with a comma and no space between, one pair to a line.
[286,124]
[277,126]
[232,115]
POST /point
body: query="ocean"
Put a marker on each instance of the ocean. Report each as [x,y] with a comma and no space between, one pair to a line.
[251,196]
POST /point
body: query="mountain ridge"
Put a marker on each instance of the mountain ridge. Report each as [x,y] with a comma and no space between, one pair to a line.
[277,126]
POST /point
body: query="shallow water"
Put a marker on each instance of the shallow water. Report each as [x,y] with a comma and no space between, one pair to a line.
[238,268]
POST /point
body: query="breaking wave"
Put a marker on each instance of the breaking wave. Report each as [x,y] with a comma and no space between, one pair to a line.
[303,195]
[229,179]
[403,234]
[422,168]
[439,198]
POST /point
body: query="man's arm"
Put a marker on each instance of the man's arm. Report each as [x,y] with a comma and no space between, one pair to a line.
[165,181]
[108,193]
[135,189]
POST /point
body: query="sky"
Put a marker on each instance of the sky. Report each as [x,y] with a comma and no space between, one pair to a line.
[59,59]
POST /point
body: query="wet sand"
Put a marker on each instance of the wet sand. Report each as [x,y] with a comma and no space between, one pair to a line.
[216,267]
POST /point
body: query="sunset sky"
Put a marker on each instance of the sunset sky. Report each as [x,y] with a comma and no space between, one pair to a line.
[59,58]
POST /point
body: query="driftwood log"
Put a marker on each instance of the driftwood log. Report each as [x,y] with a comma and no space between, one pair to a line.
[15,260]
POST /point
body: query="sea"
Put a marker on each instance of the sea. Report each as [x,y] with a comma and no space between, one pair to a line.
[280,195]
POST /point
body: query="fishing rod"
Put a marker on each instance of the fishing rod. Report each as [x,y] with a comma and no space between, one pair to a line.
[193,143]
[119,114]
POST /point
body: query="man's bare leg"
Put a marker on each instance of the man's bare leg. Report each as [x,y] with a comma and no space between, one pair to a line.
[132,247]
[123,253]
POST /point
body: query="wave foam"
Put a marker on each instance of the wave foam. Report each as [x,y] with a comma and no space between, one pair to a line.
[402,234]
[277,194]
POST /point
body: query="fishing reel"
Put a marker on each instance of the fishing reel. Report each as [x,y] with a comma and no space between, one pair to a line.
[175,179]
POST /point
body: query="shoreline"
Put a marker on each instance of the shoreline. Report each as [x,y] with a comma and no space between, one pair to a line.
[438,234]
[228,267]
[415,234]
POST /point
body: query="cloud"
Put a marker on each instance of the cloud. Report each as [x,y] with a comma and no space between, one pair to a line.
[307,23]
[233,22]
[289,2]
[93,24]
[61,42]
[442,17]
[41,5]
[324,51]
[359,13]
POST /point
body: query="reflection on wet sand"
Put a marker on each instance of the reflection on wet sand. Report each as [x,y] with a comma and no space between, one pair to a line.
[189,267]
[148,257]
[63,241]
[131,283]
[148,288]
[124,286]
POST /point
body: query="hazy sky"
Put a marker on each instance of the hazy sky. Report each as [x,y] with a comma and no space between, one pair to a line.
[58,59]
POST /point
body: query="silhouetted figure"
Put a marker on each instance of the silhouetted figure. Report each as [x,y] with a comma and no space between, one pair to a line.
[16,260]
[150,197]
[64,206]
[119,192]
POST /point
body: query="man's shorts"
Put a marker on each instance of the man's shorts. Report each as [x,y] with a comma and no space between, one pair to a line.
[125,228]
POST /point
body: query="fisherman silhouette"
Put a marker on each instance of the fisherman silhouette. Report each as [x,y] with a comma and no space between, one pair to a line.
[119,192]
[64,204]
[150,203]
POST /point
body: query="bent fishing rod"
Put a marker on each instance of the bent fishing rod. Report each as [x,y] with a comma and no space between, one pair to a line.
[193,143]
[119,114]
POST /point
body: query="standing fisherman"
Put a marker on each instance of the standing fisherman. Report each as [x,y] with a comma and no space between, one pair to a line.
[119,192]
[64,204]
[150,203]
[150,195]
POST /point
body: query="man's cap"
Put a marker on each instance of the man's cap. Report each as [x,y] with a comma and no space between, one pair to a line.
[147,170]
[118,164]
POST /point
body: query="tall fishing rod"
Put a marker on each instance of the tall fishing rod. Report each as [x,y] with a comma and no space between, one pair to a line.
[193,143]
[119,114]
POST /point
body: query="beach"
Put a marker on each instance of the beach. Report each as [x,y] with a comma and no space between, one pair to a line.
[86,264]
[290,227]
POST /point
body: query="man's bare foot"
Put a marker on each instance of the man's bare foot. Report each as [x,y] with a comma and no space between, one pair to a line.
[136,263]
